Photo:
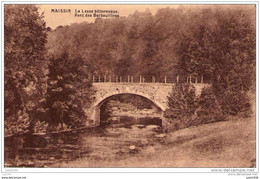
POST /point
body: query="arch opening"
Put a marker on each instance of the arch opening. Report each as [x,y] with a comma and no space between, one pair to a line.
[128,109]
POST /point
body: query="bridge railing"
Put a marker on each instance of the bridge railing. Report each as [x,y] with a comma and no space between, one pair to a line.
[145,79]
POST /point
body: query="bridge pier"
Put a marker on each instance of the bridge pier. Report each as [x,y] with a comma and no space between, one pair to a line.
[96,117]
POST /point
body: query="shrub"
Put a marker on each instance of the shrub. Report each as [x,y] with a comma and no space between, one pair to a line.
[235,102]
[182,101]
[232,94]
[69,92]
[202,110]
[209,109]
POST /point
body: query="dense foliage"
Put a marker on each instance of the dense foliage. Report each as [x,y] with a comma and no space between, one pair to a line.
[38,87]
[141,44]
[214,42]
[209,109]
[221,48]
[24,65]
[68,92]
[185,109]
[223,51]
[182,101]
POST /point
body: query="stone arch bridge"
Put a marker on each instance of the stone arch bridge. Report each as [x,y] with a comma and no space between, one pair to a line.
[155,92]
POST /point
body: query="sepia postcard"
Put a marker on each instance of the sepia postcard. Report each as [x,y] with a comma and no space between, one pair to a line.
[144,87]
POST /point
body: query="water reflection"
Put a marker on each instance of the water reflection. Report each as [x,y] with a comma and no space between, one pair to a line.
[93,144]
[125,121]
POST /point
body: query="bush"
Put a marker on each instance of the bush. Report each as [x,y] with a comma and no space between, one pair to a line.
[69,92]
[175,124]
[17,124]
[232,94]
[209,109]
[235,102]
[205,109]
[182,102]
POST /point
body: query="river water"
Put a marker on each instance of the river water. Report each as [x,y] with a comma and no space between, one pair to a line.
[116,141]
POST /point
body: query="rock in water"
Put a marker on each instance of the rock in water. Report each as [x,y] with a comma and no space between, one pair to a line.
[160,136]
[152,126]
[140,126]
[134,127]
[150,150]
[132,147]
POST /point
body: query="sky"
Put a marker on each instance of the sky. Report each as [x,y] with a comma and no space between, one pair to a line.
[54,20]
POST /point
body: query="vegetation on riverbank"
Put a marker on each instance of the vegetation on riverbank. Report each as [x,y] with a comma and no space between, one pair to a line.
[40,90]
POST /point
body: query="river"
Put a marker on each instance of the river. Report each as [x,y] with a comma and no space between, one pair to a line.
[101,143]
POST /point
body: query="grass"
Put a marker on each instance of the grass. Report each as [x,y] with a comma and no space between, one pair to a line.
[222,144]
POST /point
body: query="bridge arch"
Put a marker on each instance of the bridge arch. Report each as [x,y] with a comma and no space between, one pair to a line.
[104,99]
[157,93]
[107,97]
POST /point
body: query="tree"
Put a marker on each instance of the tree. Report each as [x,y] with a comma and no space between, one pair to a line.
[123,46]
[24,66]
[69,91]
[224,52]
[182,101]
[209,109]
[236,63]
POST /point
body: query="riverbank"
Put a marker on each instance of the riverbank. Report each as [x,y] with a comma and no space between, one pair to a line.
[222,144]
